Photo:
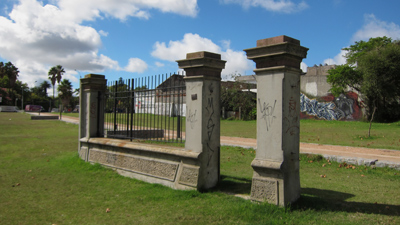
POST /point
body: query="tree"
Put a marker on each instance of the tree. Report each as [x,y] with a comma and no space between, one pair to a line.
[65,92]
[8,77]
[235,96]
[55,74]
[44,86]
[372,69]
[10,71]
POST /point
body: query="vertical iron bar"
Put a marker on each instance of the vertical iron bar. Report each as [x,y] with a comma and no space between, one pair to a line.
[115,107]
[98,113]
[132,104]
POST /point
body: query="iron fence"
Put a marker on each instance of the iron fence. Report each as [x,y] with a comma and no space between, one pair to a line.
[151,108]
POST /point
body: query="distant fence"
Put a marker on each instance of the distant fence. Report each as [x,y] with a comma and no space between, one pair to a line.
[146,108]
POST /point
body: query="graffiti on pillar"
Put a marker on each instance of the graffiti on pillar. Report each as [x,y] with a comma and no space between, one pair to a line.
[267,112]
[210,122]
[210,127]
[344,107]
[292,118]
[192,118]
[93,110]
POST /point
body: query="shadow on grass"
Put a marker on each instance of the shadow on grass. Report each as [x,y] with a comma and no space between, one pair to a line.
[327,200]
[313,199]
[233,185]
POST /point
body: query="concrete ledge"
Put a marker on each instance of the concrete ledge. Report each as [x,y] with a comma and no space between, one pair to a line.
[44,117]
[173,167]
[175,151]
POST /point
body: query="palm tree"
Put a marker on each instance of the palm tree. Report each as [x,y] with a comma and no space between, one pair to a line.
[12,73]
[44,86]
[65,91]
[55,74]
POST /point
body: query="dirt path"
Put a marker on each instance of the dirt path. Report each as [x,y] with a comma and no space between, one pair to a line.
[354,155]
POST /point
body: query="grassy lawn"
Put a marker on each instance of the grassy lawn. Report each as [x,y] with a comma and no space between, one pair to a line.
[42,181]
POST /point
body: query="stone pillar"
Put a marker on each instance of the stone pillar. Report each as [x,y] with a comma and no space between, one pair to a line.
[91,110]
[276,166]
[203,78]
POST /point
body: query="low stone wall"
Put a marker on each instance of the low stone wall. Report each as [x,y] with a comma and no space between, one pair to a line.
[136,134]
[174,167]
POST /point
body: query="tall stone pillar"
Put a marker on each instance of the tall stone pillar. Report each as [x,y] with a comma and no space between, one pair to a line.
[276,166]
[91,110]
[203,78]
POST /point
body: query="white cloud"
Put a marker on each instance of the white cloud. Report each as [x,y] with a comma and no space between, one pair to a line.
[79,10]
[339,59]
[158,64]
[374,27]
[37,36]
[178,49]
[237,61]
[303,67]
[283,6]
[136,65]
[103,33]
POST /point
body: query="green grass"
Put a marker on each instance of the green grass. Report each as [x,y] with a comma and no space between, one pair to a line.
[42,181]
[351,133]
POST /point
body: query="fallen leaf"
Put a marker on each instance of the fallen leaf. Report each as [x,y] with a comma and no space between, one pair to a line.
[362,175]
[108,210]
[323,165]
[29,171]
[18,184]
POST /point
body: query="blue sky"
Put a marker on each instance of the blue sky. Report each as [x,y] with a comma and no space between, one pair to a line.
[136,38]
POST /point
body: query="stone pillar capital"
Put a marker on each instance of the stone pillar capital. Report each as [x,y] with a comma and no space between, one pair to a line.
[281,52]
[93,82]
[202,63]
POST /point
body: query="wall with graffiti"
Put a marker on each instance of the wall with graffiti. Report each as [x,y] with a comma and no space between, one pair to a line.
[343,107]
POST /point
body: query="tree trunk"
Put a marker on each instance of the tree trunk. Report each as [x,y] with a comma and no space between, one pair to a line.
[370,122]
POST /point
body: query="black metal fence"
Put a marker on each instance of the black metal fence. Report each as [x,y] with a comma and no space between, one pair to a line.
[151,108]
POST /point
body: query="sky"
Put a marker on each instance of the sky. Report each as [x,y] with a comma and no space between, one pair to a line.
[140,38]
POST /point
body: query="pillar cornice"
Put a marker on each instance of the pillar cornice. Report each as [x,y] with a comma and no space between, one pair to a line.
[93,82]
[277,51]
[202,64]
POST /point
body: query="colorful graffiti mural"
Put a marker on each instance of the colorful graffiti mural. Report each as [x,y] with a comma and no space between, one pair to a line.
[344,107]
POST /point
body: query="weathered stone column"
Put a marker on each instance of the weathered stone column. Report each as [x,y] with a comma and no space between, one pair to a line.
[276,166]
[91,110]
[203,78]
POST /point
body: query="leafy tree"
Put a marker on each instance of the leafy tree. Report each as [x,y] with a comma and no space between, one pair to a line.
[65,92]
[8,77]
[372,69]
[354,52]
[43,87]
[233,98]
[10,71]
[55,74]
